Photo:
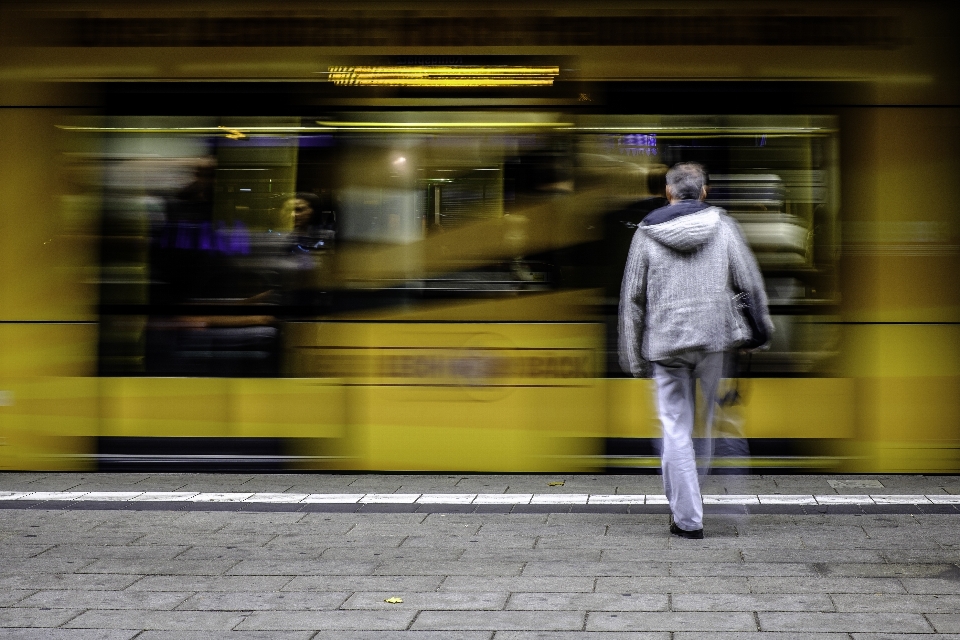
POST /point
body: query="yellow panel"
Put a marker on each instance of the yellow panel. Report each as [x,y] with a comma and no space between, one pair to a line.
[631,408]
[287,408]
[798,408]
[166,407]
[48,423]
[771,408]
[899,254]
[61,349]
[47,234]
[527,429]
[469,397]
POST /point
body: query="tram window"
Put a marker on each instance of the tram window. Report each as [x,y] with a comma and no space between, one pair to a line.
[217,233]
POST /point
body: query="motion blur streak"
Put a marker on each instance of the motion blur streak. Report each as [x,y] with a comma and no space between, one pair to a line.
[390,238]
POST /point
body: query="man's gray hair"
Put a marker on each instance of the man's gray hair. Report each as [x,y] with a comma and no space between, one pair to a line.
[686,180]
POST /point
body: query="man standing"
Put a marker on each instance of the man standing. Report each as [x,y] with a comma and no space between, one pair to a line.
[681,308]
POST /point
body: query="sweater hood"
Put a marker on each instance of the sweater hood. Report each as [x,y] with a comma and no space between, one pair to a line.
[687,231]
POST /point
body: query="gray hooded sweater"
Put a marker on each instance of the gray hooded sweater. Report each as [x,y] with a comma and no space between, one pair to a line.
[679,285]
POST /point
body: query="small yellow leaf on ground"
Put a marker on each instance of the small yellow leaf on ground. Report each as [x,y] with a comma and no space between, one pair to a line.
[555,484]
[394,600]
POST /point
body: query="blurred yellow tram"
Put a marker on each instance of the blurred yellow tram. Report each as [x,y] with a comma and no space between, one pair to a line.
[449,303]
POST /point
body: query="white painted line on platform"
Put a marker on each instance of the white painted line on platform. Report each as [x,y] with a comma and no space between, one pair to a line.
[616,499]
[14,495]
[220,497]
[446,498]
[390,498]
[843,499]
[333,498]
[468,498]
[165,496]
[730,499]
[275,498]
[900,499]
[787,499]
[111,496]
[55,495]
[503,498]
[559,498]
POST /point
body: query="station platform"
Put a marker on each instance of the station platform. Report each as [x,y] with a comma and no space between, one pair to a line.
[475,557]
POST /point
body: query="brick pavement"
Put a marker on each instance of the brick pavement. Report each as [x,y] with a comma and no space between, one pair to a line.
[119,569]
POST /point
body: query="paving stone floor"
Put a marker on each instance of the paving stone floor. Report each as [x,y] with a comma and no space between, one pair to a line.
[168,570]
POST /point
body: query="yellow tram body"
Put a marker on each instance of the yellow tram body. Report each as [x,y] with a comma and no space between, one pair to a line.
[507,383]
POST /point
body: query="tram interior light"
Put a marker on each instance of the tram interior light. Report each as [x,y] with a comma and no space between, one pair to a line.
[443,76]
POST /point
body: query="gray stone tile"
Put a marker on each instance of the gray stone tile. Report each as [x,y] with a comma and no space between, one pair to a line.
[860,570]
[160,567]
[13,596]
[264,601]
[812,555]
[247,553]
[518,584]
[381,555]
[487,554]
[15,566]
[18,550]
[758,635]
[111,582]
[582,635]
[898,603]
[499,620]
[446,568]
[671,621]
[213,539]
[162,620]
[364,583]
[436,601]
[785,541]
[79,599]
[403,635]
[825,585]
[921,556]
[646,569]
[671,555]
[784,569]
[684,584]
[604,601]
[226,635]
[904,636]
[335,542]
[839,622]
[544,530]
[750,602]
[356,620]
[70,634]
[932,585]
[95,552]
[35,617]
[507,542]
[210,583]
[302,568]
[945,622]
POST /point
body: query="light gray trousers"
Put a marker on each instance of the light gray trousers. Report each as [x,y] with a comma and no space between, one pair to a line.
[676,403]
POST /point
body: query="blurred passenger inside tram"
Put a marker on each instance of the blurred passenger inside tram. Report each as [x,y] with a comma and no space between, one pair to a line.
[313,228]
[312,236]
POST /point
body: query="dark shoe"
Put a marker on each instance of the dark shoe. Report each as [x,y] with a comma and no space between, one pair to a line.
[683,533]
